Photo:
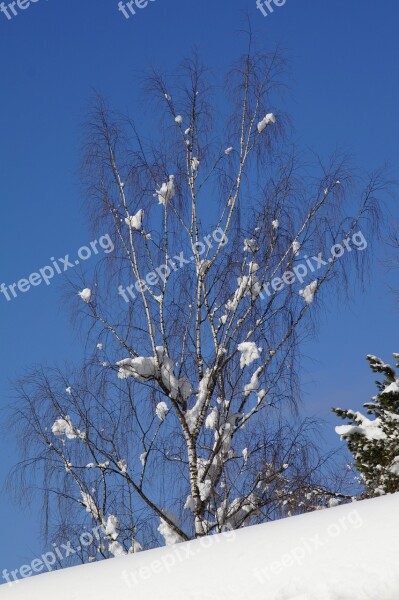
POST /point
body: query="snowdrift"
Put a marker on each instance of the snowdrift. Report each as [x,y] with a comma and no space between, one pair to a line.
[344,553]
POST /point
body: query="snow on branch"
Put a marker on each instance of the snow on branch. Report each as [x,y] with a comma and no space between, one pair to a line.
[91,507]
[169,534]
[371,430]
[309,291]
[64,427]
[192,415]
[249,353]
[166,192]
[267,120]
[247,285]
[135,221]
[161,370]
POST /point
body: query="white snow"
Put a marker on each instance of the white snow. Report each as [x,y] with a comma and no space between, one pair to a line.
[116,549]
[308,292]
[65,427]
[91,506]
[190,504]
[168,533]
[179,119]
[229,150]
[202,266]
[167,191]
[392,388]
[212,420]
[142,368]
[193,414]
[348,552]
[248,285]
[111,527]
[249,353]
[261,395]
[195,163]
[275,224]
[296,246]
[269,118]
[370,429]
[250,245]
[205,488]
[122,465]
[394,468]
[162,410]
[145,369]
[333,502]
[253,385]
[135,221]
[135,547]
[85,294]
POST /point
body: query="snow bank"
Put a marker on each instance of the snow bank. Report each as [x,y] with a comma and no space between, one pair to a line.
[344,553]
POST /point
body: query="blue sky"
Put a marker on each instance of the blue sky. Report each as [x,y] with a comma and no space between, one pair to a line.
[344,92]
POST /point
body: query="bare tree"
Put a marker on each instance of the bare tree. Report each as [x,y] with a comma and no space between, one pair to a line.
[182,420]
[392,263]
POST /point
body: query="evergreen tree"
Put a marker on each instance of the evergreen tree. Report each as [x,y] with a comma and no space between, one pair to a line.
[374,443]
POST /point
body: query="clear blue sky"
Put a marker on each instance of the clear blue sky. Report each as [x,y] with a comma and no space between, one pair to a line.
[345,92]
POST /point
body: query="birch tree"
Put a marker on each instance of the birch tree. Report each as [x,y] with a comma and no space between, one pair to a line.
[182,418]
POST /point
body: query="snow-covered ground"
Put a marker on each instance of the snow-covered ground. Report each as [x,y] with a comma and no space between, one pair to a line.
[344,553]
